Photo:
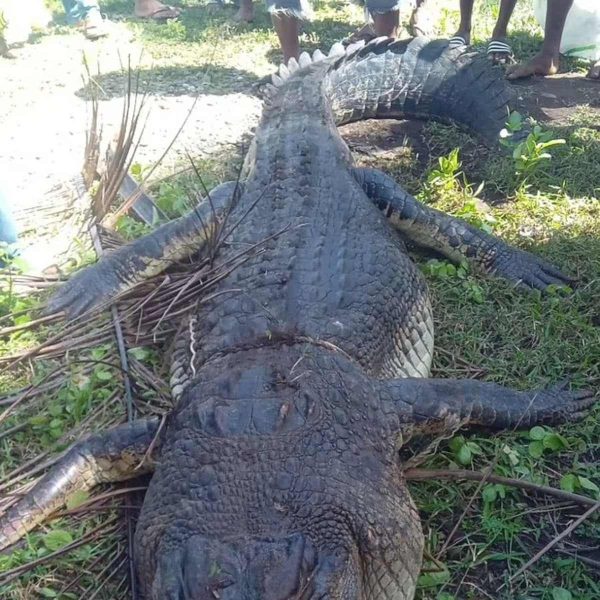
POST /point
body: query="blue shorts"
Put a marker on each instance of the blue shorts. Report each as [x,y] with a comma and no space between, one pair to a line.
[301,9]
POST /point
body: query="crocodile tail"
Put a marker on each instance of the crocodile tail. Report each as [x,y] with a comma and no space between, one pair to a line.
[422,79]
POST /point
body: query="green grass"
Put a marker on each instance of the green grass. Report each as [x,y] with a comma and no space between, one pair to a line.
[484,329]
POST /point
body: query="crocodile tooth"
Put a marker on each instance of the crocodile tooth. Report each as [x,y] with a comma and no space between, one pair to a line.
[293,65]
[337,50]
[276,79]
[284,72]
[317,56]
[305,59]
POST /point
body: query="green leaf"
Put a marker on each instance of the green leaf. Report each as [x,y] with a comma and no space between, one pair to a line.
[587,484]
[48,593]
[536,449]
[77,498]
[103,375]
[464,455]
[568,482]
[139,353]
[456,442]
[489,493]
[56,539]
[537,433]
[433,577]
[554,441]
[559,593]
[55,410]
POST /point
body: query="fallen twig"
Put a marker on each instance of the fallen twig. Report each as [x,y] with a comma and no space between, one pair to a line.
[428,474]
[554,541]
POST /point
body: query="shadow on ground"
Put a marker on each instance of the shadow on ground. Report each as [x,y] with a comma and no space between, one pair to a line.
[173,81]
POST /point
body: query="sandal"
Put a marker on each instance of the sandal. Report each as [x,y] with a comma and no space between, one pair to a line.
[502,48]
[161,15]
[457,41]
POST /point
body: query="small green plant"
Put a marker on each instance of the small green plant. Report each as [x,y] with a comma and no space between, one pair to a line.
[543,439]
[531,154]
[572,482]
[443,179]
[464,450]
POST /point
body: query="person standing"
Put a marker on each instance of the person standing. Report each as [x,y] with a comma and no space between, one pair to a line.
[546,61]
[86,15]
[498,50]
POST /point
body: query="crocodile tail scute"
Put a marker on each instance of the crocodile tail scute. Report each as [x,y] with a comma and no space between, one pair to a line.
[422,79]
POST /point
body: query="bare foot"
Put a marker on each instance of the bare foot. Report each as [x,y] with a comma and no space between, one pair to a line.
[540,64]
[594,72]
[244,15]
[153,9]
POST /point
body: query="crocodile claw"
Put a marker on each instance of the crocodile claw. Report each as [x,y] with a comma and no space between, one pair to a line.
[88,289]
[559,405]
[529,271]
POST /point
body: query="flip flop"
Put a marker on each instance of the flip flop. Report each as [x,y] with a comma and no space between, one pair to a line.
[499,47]
[457,41]
[160,15]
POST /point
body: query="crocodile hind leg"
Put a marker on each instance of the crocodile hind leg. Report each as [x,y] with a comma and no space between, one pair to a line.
[115,455]
[435,406]
[454,237]
[143,258]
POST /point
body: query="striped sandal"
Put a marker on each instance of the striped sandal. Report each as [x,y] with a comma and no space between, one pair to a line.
[502,52]
[457,41]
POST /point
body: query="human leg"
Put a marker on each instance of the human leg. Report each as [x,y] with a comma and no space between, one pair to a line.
[286,16]
[78,10]
[546,61]
[463,33]
[245,14]
[499,51]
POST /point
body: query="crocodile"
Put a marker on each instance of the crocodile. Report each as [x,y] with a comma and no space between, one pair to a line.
[277,474]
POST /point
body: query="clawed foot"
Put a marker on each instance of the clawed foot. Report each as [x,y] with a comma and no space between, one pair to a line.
[529,271]
[541,64]
[559,405]
[87,289]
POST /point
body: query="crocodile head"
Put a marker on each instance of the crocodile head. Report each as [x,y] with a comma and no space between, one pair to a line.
[283,568]
[278,480]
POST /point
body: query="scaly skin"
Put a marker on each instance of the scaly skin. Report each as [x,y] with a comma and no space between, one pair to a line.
[278,476]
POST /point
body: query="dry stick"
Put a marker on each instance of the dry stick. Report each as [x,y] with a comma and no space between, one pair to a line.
[484,476]
[590,511]
[480,485]
[129,404]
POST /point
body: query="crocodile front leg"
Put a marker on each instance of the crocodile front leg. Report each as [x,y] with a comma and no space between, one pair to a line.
[454,237]
[114,455]
[442,405]
[147,256]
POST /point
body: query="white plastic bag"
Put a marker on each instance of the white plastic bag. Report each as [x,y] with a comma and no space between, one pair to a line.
[581,35]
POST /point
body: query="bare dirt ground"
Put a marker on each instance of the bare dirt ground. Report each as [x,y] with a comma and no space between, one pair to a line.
[44,113]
